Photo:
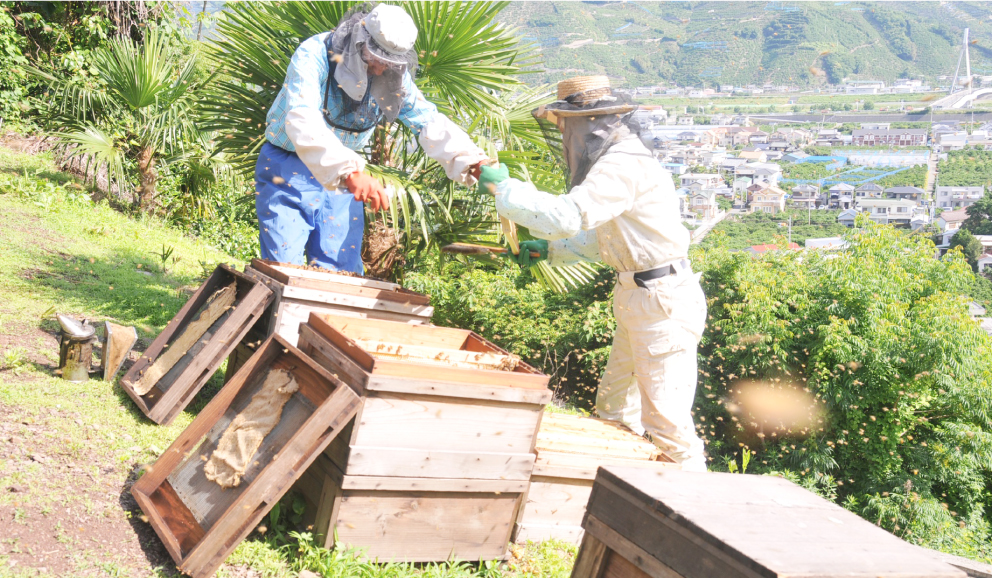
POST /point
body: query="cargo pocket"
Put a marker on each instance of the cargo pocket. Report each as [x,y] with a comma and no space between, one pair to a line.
[669,338]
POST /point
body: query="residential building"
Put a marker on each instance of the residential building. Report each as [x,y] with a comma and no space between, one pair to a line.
[864,86]
[841,196]
[769,199]
[758,136]
[958,197]
[685,120]
[755,156]
[847,217]
[806,196]
[915,194]
[705,180]
[949,223]
[826,243]
[869,191]
[876,125]
[703,203]
[687,136]
[794,136]
[794,156]
[829,137]
[899,212]
[675,168]
[898,137]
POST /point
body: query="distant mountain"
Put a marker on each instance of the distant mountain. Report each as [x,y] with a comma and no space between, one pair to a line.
[740,43]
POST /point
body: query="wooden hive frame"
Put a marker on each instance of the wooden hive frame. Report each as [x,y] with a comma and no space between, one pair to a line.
[176,389]
[200,523]
[437,435]
[407,519]
[570,449]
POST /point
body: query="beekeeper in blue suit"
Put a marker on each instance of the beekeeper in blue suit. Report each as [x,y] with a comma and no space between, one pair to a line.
[620,209]
[310,179]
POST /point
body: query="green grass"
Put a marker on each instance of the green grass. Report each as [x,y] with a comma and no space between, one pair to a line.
[60,252]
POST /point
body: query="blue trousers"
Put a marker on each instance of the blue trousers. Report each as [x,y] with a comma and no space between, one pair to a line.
[296,214]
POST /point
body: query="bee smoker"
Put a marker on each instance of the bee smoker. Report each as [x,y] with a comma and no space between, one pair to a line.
[75,349]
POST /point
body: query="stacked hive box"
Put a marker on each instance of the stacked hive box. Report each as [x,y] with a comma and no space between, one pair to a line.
[298,291]
[439,457]
[569,450]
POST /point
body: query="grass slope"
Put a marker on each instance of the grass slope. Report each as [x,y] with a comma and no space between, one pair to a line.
[70,452]
[739,43]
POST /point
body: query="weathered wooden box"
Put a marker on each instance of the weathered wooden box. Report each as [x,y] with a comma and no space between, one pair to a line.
[201,523]
[642,523]
[173,392]
[423,420]
[570,449]
[412,519]
[299,291]
[427,426]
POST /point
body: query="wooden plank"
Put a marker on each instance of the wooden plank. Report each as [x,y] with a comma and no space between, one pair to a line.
[620,547]
[393,384]
[439,356]
[584,466]
[119,340]
[619,567]
[589,561]
[698,525]
[201,367]
[522,376]
[334,298]
[217,305]
[393,461]
[562,433]
[525,532]
[399,295]
[427,335]
[394,484]
[293,312]
[556,501]
[422,423]
[333,359]
[426,527]
[282,272]
[186,531]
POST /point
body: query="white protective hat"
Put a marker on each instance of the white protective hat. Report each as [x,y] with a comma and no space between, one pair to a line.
[392,29]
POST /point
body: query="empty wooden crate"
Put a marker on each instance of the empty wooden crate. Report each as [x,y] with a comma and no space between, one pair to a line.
[201,521]
[570,448]
[195,342]
[440,407]
[642,523]
[412,519]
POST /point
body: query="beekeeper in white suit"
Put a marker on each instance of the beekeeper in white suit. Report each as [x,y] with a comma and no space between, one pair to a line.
[622,210]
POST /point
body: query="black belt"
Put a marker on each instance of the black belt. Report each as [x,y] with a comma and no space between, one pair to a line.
[641,276]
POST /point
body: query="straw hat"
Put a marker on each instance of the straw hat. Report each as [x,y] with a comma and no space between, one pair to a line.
[585,96]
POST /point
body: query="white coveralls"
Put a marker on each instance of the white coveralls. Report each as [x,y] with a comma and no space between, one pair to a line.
[625,213]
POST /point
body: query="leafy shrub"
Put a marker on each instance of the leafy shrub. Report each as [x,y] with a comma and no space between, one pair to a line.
[895,374]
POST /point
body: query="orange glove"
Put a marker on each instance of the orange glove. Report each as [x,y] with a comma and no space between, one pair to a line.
[367,189]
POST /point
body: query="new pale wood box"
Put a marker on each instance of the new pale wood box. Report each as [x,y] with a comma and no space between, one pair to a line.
[570,448]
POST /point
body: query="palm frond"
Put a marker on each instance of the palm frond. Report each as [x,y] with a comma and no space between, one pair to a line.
[100,147]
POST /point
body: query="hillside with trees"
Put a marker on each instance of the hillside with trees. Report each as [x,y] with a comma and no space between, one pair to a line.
[740,43]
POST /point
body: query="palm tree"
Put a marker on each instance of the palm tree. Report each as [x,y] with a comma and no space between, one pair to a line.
[469,68]
[135,119]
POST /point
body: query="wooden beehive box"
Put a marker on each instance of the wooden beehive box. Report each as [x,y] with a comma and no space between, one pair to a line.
[437,424]
[412,519]
[570,449]
[173,392]
[300,291]
[642,523]
[201,523]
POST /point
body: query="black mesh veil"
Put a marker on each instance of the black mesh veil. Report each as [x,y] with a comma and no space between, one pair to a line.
[366,96]
[579,131]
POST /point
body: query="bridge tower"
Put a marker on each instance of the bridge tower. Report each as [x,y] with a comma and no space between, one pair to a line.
[964,55]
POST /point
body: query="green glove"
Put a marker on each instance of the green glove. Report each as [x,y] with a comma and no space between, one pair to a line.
[525,259]
[490,177]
